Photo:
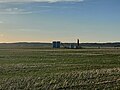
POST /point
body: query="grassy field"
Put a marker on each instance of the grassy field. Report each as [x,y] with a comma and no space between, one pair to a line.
[59,69]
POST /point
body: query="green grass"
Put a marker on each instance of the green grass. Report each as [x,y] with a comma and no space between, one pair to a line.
[59,69]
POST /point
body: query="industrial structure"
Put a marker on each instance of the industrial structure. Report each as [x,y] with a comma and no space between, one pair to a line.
[78,44]
[58,44]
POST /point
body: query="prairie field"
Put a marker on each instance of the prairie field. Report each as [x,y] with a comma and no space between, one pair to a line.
[59,69]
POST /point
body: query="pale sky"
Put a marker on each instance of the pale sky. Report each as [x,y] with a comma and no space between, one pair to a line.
[64,20]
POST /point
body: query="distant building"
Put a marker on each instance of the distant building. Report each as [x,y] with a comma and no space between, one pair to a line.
[56,44]
[72,46]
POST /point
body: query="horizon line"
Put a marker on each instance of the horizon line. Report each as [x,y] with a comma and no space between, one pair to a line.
[54,40]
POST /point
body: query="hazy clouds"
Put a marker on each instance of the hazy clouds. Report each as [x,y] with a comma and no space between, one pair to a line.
[41,0]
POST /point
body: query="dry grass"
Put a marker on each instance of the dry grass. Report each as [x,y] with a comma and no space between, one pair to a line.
[27,69]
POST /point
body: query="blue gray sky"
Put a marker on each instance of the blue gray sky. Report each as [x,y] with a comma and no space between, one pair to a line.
[65,20]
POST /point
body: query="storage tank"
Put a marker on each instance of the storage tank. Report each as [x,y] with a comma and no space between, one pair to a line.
[56,44]
[78,42]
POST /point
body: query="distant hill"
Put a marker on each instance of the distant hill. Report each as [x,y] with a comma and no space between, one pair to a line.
[25,44]
[44,45]
[101,44]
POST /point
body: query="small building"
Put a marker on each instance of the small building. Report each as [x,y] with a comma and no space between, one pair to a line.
[56,44]
[72,46]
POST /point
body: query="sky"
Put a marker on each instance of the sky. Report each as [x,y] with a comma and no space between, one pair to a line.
[64,20]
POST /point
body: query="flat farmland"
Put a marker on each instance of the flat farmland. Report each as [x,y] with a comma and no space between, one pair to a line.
[59,69]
